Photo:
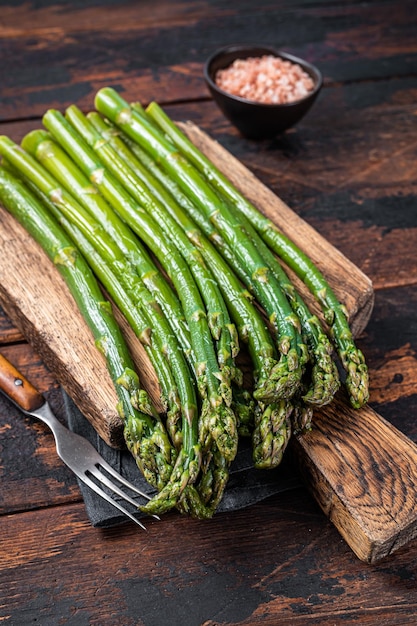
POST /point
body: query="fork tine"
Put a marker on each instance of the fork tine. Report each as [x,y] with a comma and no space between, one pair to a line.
[110,470]
[95,471]
[109,499]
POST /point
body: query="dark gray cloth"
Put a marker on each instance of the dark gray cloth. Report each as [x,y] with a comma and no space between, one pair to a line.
[246,485]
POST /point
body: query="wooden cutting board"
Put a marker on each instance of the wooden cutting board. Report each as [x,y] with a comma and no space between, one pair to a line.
[361,470]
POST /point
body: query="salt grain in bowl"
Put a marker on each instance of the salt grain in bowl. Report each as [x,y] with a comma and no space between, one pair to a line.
[266,79]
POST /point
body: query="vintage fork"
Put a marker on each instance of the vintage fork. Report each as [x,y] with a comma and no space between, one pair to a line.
[76,452]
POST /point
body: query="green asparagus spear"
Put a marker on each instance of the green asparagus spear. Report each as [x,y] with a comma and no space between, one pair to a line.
[155,454]
[271,433]
[334,312]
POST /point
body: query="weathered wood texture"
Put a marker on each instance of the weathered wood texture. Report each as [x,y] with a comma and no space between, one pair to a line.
[349,169]
[156,50]
[279,563]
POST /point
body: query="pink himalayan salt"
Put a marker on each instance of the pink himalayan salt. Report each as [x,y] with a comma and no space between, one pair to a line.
[266,79]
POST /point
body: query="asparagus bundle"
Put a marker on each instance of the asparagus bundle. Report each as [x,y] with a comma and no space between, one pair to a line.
[190,243]
[197,271]
[217,421]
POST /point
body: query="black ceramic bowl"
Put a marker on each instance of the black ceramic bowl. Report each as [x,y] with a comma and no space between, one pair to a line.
[253,119]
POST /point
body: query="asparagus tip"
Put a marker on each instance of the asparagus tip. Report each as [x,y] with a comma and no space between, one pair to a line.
[271,434]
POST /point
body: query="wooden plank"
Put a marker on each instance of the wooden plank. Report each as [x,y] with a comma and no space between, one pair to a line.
[279,564]
[8,331]
[363,473]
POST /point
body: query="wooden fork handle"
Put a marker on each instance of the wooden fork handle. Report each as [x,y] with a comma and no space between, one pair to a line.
[16,387]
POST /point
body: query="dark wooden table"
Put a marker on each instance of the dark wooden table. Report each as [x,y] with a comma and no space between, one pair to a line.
[349,169]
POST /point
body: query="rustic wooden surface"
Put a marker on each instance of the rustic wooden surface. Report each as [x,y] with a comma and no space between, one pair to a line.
[349,170]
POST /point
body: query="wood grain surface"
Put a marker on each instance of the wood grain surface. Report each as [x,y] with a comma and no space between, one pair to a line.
[349,169]
[363,473]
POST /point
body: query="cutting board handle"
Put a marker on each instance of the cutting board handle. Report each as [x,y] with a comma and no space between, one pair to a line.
[363,473]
